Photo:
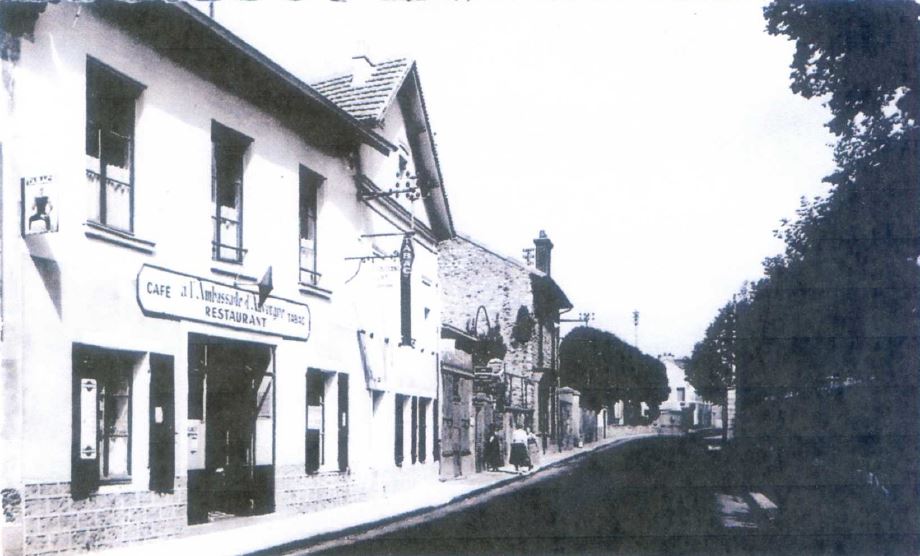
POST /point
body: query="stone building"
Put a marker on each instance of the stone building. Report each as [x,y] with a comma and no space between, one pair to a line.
[523,305]
[213,303]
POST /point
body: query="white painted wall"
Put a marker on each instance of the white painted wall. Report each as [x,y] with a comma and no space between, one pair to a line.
[45,135]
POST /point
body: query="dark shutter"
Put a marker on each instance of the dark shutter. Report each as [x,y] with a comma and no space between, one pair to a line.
[84,468]
[422,430]
[398,437]
[162,423]
[414,430]
[436,431]
[343,422]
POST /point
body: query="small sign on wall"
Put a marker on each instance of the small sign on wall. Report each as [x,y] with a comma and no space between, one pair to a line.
[39,210]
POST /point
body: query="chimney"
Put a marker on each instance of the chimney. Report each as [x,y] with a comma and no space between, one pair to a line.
[544,250]
[361,70]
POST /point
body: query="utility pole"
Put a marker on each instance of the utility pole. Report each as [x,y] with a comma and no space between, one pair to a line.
[636,326]
[582,317]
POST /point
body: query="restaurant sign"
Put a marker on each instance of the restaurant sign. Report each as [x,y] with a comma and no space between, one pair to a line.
[172,294]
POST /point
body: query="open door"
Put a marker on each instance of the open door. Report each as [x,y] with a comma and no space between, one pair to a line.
[231,473]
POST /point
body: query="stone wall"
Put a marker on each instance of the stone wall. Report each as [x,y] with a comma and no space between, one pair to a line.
[298,492]
[470,276]
[54,522]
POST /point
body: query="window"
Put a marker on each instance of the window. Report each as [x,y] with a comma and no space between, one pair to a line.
[229,148]
[110,100]
[681,394]
[102,415]
[316,423]
[309,192]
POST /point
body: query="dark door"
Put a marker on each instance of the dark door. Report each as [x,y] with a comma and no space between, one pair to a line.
[162,423]
[343,422]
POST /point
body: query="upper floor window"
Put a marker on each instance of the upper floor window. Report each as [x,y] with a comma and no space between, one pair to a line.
[227,162]
[681,394]
[310,183]
[110,103]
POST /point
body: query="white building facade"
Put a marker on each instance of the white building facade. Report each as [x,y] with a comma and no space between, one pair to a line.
[205,315]
[684,407]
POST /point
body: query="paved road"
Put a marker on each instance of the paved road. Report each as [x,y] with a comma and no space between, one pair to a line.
[664,495]
[640,497]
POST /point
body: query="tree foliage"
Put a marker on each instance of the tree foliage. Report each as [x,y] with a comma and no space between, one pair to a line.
[711,367]
[825,346]
[603,368]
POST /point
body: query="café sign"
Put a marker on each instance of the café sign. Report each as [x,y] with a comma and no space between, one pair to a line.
[172,294]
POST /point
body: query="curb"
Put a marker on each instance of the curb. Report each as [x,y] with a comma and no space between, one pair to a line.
[315,540]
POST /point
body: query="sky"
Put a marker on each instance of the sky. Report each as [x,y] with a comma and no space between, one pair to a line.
[656,142]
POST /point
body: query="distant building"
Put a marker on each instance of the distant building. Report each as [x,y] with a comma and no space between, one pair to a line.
[683,408]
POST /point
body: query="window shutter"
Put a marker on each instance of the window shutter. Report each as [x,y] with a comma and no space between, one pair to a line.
[162,423]
[85,444]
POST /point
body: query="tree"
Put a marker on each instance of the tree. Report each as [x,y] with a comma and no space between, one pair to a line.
[603,368]
[826,348]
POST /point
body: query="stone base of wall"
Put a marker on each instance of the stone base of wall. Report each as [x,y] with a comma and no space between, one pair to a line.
[56,523]
[298,492]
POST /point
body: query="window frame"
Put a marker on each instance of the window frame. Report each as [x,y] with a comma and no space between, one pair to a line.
[102,80]
[106,366]
[310,184]
[227,141]
[318,378]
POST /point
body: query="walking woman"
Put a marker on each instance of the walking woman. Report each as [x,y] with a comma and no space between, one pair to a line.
[519,456]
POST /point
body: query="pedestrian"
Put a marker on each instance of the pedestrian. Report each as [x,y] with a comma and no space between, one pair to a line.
[519,456]
[533,447]
[493,451]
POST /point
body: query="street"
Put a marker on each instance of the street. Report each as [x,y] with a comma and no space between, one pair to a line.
[659,495]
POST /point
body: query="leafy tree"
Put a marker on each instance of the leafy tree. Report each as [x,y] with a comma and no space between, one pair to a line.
[825,346]
[604,368]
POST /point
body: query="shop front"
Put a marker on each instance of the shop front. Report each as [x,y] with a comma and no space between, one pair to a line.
[230,410]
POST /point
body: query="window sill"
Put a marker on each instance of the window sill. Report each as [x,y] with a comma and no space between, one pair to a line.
[102,232]
[314,291]
[115,481]
[233,270]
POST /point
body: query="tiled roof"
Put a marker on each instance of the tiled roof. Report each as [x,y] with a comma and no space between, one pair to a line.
[367,101]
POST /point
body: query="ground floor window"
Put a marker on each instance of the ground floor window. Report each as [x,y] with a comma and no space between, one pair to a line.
[418,428]
[102,425]
[316,422]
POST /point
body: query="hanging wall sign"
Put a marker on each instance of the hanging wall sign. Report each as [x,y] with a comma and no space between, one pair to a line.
[406,257]
[39,213]
[170,294]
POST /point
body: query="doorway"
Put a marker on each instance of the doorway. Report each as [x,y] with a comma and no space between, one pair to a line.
[231,459]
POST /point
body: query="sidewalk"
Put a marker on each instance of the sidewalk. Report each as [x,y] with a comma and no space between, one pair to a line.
[263,533]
